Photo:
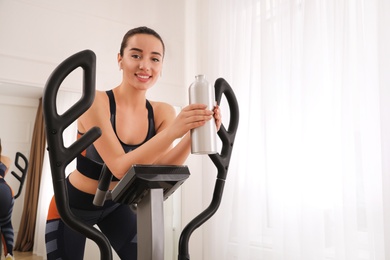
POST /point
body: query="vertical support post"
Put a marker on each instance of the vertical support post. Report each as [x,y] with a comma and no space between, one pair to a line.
[150,226]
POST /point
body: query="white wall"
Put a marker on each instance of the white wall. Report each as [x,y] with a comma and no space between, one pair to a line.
[36,35]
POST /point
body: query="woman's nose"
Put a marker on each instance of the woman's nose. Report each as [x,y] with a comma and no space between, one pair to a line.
[144,65]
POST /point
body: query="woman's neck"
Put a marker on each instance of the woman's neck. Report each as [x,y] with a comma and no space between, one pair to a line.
[129,96]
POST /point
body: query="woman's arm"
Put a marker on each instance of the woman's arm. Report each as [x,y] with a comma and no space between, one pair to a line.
[178,154]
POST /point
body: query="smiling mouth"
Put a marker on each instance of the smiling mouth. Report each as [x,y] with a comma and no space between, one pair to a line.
[143,76]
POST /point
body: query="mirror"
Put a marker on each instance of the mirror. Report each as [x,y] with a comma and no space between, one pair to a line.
[18,107]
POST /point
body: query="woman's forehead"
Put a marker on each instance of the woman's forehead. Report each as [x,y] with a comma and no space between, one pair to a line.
[145,42]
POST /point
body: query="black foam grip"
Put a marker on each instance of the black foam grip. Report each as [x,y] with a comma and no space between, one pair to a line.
[104,184]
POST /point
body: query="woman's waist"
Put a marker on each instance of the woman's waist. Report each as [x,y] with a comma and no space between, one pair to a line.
[86,184]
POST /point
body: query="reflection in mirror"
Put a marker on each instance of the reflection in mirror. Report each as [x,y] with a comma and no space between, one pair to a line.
[18,106]
[8,197]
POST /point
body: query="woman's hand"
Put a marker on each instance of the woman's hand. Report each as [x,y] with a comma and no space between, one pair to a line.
[217,117]
[190,117]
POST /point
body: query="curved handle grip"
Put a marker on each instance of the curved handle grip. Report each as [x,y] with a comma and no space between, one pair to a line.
[85,59]
[23,168]
[61,156]
[227,137]
[55,123]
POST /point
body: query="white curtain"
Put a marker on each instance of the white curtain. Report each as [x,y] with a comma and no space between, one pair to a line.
[309,174]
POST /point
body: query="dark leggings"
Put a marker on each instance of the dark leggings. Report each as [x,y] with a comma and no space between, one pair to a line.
[6,207]
[116,221]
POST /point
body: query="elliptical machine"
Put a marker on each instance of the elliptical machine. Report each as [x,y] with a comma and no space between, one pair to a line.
[147,186]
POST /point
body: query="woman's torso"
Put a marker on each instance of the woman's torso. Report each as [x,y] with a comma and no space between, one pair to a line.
[89,164]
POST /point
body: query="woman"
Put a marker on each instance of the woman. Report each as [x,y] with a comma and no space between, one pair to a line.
[6,207]
[134,131]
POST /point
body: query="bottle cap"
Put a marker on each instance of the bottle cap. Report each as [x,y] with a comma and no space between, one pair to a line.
[200,77]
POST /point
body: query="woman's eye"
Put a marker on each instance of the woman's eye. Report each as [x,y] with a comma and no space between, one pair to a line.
[155,59]
[136,56]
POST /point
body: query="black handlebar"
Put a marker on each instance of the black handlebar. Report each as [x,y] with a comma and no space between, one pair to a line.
[227,137]
[60,156]
[23,168]
[221,161]
[103,186]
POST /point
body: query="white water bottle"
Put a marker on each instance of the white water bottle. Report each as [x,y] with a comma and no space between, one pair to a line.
[203,138]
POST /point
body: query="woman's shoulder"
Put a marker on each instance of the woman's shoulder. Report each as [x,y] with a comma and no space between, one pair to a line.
[164,113]
[162,107]
[100,100]
[98,110]
[99,94]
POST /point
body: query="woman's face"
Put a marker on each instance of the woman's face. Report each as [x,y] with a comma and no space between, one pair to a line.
[142,61]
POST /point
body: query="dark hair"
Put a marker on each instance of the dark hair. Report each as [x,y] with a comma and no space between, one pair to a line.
[140,30]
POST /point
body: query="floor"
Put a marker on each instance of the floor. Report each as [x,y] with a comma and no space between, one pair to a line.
[25,256]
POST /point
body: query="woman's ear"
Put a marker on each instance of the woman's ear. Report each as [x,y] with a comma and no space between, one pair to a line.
[119,61]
